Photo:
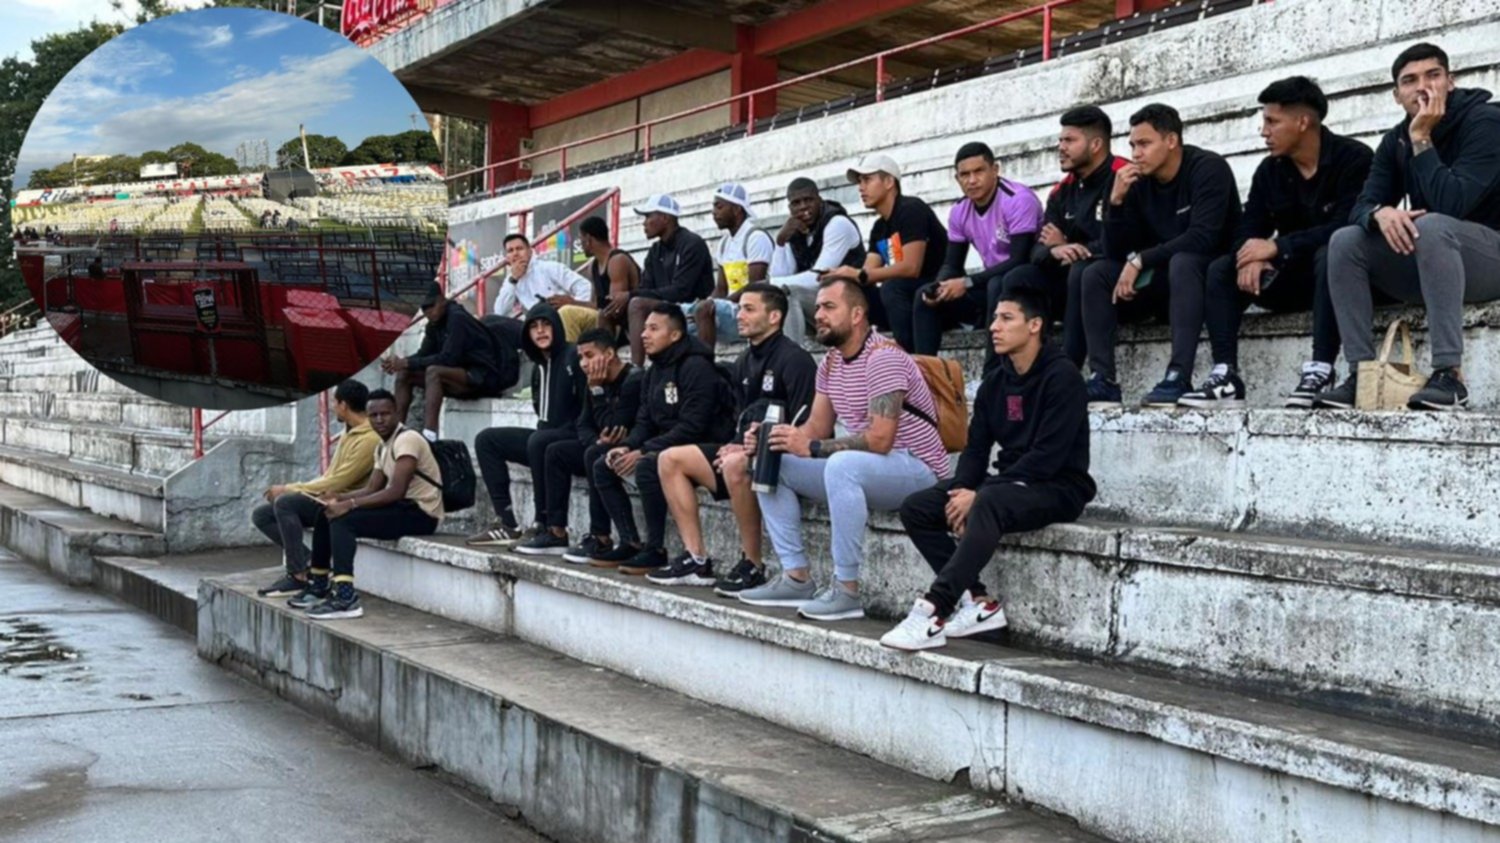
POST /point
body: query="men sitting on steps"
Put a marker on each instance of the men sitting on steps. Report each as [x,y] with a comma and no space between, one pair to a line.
[1301,194]
[685,400]
[1073,233]
[609,409]
[557,387]
[773,368]
[292,508]
[403,498]
[532,281]
[457,359]
[1001,219]
[1170,213]
[1443,249]
[817,236]
[906,252]
[678,268]
[1034,406]
[613,272]
[743,257]
[876,390]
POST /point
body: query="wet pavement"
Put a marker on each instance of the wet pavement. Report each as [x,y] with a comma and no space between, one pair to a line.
[112,729]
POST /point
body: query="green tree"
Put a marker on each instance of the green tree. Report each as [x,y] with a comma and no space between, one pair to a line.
[415,146]
[322,151]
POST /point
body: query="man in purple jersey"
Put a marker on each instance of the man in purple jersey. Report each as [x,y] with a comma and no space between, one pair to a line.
[1000,218]
[876,390]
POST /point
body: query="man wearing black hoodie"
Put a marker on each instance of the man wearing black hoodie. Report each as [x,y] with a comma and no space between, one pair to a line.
[457,359]
[1171,211]
[1443,249]
[685,401]
[1034,406]
[557,386]
[609,409]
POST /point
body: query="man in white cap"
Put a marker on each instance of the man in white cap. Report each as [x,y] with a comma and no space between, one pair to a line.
[744,258]
[678,268]
[907,245]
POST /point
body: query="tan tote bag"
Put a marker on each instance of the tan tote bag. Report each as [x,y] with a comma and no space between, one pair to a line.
[1384,385]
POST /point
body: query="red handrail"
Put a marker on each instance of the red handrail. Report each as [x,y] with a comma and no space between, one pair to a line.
[199,425]
[1045,10]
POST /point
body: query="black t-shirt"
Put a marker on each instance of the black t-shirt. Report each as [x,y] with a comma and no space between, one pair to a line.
[911,221]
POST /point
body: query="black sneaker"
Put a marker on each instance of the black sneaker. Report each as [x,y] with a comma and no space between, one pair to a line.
[1444,392]
[1340,397]
[545,543]
[745,575]
[591,546]
[1314,382]
[286,586]
[1168,392]
[614,557]
[334,609]
[684,571]
[1104,394]
[308,597]
[647,560]
[1222,391]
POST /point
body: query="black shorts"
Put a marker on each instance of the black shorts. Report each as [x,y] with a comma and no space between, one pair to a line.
[486,383]
[720,490]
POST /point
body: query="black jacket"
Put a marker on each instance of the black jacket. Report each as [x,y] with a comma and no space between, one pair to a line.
[1040,420]
[457,340]
[557,381]
[614,404]
[686,400]
[776,370]
[1303,223]
[1459,177]
[678,270]
[1076,207]
[1198,212]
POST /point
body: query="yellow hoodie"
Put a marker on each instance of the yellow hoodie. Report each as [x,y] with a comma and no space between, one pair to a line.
[353,460]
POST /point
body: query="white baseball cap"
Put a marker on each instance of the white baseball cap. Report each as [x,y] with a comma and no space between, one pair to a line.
[659,203]
[874,164]
[735,194]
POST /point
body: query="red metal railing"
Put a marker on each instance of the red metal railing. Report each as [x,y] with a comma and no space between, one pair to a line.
[199,425]
[879,59]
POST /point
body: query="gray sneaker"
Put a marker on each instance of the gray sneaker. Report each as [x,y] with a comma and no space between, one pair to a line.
[834,603]
[782,591]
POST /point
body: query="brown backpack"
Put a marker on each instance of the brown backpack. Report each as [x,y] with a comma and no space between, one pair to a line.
[945,379]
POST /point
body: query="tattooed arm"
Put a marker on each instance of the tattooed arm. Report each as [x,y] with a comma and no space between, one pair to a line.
[880,437]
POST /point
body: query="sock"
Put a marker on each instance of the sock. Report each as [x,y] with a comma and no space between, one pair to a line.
[699,560]
[431,435]
[317,579]
[343,588]
[1315,366]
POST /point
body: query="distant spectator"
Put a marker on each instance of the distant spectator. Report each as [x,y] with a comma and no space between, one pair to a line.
[96,268]
[613,272]
[817,237]
[532,280]
[678,268]
[457,359]
[742,258]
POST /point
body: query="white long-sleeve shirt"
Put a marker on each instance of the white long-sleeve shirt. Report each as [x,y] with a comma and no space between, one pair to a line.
[543,280]
[839,237]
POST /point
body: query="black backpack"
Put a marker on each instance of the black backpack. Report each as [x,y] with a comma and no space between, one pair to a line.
[457,471]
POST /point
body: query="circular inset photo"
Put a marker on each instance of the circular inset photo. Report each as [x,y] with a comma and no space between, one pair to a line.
[229,208]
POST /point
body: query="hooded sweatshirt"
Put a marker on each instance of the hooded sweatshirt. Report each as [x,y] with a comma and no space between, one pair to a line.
[1459,177]
[1040,420]
[558,380]
[1197,212]
[686,400]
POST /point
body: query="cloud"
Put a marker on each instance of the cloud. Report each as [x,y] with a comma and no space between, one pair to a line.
[270,27]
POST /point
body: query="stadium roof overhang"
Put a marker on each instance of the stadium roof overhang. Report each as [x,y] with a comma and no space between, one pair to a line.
[563,58]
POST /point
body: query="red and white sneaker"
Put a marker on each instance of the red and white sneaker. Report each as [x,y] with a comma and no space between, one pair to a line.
[922,629]
[973,618]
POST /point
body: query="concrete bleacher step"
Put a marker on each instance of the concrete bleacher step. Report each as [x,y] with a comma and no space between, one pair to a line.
[566,744]
[110,492]
[152,453]
[66,538]
[166,587]
[1129,754]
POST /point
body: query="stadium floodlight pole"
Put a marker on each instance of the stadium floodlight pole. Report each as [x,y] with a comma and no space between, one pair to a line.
[302,132]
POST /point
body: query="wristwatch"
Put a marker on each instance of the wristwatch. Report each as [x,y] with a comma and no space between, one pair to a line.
[815,449]
[864,276]
[1135,260]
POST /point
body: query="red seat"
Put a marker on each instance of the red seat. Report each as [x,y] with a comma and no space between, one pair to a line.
[375,330]
[320,341]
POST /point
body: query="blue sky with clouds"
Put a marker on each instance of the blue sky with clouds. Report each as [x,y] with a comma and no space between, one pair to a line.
[216,77]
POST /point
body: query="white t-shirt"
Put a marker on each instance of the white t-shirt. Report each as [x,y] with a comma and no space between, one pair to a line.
[739,249]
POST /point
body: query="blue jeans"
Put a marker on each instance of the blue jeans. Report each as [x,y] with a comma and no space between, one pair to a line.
[726,321]
[853,484]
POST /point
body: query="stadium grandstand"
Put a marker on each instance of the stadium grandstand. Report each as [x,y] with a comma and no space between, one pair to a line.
[1269,623]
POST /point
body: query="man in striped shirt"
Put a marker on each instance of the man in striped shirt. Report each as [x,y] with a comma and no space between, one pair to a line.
[872,387]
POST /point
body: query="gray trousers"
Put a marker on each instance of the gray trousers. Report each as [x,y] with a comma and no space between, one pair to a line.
[1455,262]
[284,522]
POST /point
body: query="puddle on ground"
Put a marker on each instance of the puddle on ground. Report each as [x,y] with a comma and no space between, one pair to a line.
[30,650]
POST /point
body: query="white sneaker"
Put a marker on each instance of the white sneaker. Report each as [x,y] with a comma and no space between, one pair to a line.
[922,629]
[972,618]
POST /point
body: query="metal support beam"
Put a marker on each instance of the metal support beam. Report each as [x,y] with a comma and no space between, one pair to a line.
[685,67]
[654,21]
[819,21]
